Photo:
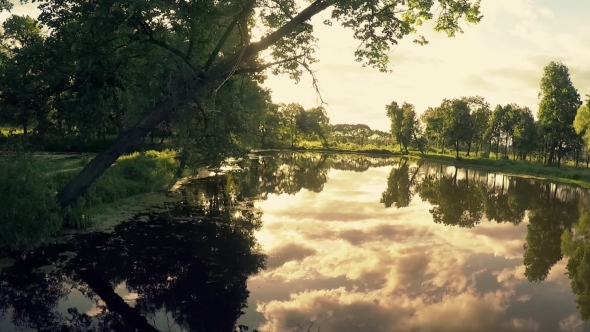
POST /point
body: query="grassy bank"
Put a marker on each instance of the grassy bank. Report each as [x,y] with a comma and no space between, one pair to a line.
[578,176]
[28,183]
[341,148]
[568,174]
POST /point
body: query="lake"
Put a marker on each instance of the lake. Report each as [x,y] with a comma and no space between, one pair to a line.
[321,242]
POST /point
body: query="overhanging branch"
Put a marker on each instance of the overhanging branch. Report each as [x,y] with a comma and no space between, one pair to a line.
[150,34]
[266,65]
[239,18]
[314,82]
[228,65]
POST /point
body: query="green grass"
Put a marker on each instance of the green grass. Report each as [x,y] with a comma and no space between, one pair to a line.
[28,210]
[137,173]
[42,175]
[579,176]
[346,148]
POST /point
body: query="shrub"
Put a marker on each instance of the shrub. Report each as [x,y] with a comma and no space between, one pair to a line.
[28,209]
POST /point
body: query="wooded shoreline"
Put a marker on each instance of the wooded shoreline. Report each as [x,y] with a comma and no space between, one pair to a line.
[575,176]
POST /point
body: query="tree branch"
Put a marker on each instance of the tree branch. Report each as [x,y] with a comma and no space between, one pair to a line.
[191,43]
[266,65]
[306,14]
[150,34]
[239,17]
[172,50]
[251,50]
[314,82]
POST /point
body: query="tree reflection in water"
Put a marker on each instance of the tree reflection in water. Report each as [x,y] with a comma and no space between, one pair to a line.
[188,265]
[558,215]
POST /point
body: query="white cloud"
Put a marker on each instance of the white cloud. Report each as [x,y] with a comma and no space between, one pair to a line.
[546,12]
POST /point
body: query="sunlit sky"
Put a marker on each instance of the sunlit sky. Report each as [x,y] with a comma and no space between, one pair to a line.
[501,59]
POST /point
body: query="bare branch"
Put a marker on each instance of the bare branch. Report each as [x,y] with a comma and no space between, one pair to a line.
[306,14]
[314,82]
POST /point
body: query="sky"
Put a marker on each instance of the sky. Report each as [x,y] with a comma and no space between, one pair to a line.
[500,59]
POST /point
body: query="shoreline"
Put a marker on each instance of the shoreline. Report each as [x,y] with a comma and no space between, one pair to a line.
[578,177]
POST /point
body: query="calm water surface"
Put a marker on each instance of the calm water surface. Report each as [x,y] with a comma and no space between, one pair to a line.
[335,242]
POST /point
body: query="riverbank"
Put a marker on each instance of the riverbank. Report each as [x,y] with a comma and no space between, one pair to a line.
[28,183]
[382,152]
[566,174]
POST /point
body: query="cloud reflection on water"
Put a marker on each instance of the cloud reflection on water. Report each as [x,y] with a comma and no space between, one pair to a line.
[349,264]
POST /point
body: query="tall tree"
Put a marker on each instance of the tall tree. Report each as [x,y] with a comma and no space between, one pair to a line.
[403,122]
[21,88]
[291,113]
[557,109]
[501,127]
[480,114]
[582,121]
[315,121]
[456,122]
[433,121]
[524,139]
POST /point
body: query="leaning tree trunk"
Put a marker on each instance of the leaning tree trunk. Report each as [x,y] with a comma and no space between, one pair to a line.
[97,166]
[418,143]
[93,170]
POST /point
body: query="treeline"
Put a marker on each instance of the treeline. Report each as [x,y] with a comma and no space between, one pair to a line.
[466,125]
[290,125]
[470,125]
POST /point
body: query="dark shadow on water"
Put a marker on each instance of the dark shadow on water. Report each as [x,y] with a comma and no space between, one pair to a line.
[182,270]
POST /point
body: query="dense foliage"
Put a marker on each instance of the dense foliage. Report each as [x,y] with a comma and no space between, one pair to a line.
[26,221]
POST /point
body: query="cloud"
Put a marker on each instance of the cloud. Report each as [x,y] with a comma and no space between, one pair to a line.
[546,12]
[395,233]
[526,77]
[29,9]
[478,82]
[288,253]
[531,78]
[338,310]
[571,323]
